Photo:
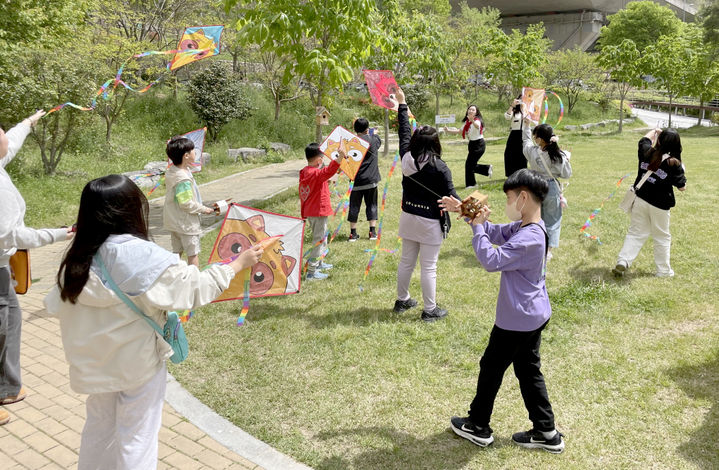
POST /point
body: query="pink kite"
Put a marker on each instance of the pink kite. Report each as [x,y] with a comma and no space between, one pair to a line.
[382,88]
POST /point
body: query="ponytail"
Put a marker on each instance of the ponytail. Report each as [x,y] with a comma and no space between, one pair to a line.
[546,133]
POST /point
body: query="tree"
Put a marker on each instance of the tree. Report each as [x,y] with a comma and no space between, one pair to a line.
[624,64]
[39,22]
[217,96]
[515,60]
[700,67]
[569,72]
[666,60]
[643,22]
[710,23]
[325,40]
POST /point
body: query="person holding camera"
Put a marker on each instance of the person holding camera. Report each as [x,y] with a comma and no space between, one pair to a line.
[513,158]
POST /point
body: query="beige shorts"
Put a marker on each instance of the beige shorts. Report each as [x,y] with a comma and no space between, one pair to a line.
[190,244]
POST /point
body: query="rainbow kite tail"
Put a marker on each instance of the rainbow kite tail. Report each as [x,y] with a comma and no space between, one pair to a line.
[245,304]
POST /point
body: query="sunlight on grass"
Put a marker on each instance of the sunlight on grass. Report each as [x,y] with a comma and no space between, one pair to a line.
[335,379]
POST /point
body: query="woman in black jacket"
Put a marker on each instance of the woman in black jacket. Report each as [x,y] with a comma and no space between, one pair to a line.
[422,225]
[660,152]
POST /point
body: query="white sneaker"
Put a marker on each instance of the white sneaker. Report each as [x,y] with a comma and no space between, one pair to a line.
[489,174]
[470,186]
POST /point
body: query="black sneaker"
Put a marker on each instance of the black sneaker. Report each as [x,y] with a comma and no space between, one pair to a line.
[465,428]
[534,439]
[404,305]
[372,235]
[353,237]
[434,315]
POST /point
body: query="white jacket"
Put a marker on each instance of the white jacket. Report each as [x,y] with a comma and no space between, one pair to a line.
[13,233]
[111,348]
[534,155]
[181,217]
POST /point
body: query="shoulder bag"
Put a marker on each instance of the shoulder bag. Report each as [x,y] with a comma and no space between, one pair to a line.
[562,199]
[20,271]
[172,332]
[631,195]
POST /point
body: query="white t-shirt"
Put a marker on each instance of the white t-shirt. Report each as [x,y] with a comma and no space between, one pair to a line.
[474,132]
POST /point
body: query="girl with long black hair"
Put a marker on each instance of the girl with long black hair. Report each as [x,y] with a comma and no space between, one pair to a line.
[513,158]
[660,152]
[115,356]
[473,130]
[422,224]
[545,157]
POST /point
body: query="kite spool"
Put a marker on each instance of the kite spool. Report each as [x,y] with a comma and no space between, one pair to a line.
[472,204]
[546,107]
[221,207]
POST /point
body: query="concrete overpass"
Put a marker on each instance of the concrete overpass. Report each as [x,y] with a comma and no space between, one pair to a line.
[570,23]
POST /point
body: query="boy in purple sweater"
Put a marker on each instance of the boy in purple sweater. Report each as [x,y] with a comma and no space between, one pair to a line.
[523,311]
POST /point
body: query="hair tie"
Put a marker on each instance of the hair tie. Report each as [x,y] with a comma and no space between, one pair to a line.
[554,139]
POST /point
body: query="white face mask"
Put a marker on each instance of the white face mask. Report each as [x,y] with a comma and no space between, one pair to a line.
[512,212]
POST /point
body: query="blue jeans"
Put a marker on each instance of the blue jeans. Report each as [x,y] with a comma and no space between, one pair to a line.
[10,323]
[552,214]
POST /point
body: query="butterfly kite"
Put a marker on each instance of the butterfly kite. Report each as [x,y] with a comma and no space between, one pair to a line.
[197,42]
[278,271]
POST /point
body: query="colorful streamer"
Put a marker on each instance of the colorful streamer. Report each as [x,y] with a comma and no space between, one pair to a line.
[376,248]
[245,304]
[596,211]
[546,108]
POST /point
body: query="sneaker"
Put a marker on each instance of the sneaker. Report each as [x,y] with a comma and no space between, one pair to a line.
[534,439]
[465,428]
[404,305]
[353,237]
[316,276]
[549,256]
[4,417]
[665,274]
[489,173]
[19,397]
[436,314]
[325,266]
[471,186]
[619,270]
[372,235]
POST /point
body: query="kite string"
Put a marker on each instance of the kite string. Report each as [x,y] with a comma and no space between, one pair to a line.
[595,212]
[377,248]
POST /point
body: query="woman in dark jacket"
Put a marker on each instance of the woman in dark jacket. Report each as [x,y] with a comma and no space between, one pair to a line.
[422,226]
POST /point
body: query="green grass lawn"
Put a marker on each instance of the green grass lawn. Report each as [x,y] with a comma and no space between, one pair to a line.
[335,379]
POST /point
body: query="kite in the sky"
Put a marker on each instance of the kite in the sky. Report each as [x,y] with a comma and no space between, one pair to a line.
[355,148]
[382,88]
[278,271]
[196,43]
[533,98]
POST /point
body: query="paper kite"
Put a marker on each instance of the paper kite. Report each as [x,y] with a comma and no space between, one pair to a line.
[198,138]
[382,88]
[355,147]
[205,39]
[533,98]
[278,271]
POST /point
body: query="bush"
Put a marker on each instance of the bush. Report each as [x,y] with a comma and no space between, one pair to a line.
[218,96]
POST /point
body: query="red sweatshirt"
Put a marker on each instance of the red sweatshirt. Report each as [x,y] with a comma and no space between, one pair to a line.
[314,190]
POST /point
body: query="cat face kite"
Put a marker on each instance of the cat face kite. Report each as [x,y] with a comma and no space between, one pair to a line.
[278,271]
[355,148]
[197,43]
[382,88]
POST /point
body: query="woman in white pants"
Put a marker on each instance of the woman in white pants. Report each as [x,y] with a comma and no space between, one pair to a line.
[660,152]
[115,356]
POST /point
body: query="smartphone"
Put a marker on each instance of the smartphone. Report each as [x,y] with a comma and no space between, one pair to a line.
[371,131]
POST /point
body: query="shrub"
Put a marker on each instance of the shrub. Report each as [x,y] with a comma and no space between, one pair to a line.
[217,96]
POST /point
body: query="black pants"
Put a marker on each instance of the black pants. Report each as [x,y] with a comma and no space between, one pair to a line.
[370,202]
[520,348]
[514,158]
[475,149]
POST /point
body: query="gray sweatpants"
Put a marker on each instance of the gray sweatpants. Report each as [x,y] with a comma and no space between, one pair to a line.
[318,226]
[10,323]
[428,256]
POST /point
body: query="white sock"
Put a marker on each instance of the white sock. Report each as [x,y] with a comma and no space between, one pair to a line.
[549,434]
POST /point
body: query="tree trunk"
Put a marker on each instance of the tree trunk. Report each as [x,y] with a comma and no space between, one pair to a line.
[670,110]
[621,111]
[701,113]
[436,102]
[386,132]
[318,126]
[277,107]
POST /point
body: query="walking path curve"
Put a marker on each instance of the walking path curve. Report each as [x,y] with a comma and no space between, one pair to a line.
[44,431]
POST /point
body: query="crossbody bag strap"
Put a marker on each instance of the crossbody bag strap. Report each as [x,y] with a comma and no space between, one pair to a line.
[648,174]
[549,172]
[123,296]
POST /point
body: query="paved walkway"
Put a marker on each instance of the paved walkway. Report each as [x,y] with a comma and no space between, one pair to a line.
[44,431]
[657,119]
